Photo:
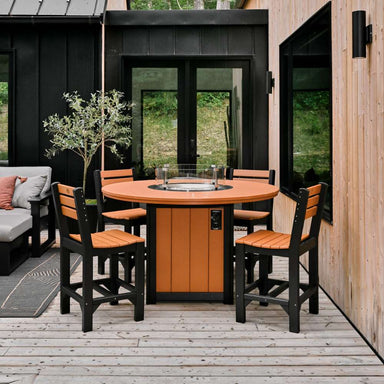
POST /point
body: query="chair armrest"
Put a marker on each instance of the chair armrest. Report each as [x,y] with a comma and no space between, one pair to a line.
[40,199]
[37,202]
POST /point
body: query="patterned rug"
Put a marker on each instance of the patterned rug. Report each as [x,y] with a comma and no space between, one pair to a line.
[29,289]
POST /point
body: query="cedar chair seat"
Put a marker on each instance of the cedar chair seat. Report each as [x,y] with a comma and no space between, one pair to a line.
[126,214]
[268,239]
[111,239]
[242,214]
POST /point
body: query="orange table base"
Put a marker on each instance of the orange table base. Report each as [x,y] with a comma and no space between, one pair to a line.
[190,253]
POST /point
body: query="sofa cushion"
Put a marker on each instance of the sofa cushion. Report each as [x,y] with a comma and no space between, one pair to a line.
[7,187]
[29,189]
[29,172]
[12,226]
[23,211]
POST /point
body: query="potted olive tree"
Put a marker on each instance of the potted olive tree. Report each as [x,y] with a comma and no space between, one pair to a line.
[103,120]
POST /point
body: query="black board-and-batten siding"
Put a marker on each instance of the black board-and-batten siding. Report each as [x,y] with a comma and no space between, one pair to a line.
[49,59]
[56,54]
[178,35]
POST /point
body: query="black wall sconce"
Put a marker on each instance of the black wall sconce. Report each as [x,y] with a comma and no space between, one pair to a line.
[269,82]
[361,34]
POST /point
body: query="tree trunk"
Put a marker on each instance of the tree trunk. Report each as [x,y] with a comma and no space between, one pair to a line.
[223,4]
[198,4]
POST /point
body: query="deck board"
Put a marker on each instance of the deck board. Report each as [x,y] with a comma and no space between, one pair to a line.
[186,343]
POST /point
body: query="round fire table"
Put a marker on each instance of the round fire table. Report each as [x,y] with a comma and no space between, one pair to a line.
[190,236]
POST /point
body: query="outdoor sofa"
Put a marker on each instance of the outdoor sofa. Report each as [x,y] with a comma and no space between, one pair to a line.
[33,211]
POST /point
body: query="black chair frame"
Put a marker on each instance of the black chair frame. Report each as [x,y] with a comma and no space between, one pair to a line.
[251,260]
[107,287]
[106,205]
[297,247]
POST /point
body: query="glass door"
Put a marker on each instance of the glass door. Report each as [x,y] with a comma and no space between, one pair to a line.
[187,112]
[217,130]
[154,94]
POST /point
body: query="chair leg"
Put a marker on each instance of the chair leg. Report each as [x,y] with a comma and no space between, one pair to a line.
[101,265]
[263,277]
[294,294]
[314,280]
[87,302]
[139,282]
[136,230]
[64,280]
[114,274]
[250,264]
[128,228]
[240,283]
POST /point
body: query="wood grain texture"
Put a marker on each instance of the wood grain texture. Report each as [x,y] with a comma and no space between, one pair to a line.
[199,251]
[352,249]
[242,192]
[163,249]
[186,343]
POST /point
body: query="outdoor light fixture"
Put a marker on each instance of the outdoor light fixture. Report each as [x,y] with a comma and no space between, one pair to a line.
[270,82]
[361,34]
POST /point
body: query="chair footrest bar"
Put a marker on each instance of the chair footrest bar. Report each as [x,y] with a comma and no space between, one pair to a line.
[273,282]
[265,299]
[124,284]
[281,288]
[110,297]
[303,286]
[308,293]
[75,286]
[98,288]
[252,286]
[69,291]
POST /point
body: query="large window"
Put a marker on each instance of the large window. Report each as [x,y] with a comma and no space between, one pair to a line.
[5,59]
[306,100]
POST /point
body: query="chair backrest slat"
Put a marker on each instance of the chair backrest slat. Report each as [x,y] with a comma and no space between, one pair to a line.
[310,204]
[314,190]
[312,201]
[69,212]
[310,212]
[105,182]
[67,201]
[70,205]
[250,174]
[116,176]
[265,181]
[65,189]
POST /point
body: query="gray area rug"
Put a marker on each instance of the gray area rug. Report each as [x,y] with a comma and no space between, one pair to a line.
[29,289]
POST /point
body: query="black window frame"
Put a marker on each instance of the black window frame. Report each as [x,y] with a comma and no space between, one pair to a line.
[286,107]
[11,104]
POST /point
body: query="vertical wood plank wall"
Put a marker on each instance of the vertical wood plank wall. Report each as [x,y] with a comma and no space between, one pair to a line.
[352,249]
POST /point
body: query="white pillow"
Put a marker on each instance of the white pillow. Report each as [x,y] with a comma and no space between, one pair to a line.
[30,189]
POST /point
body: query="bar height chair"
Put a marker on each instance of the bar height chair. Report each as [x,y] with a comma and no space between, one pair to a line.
[70,204]
[249,218]
[109,213]
[266,243]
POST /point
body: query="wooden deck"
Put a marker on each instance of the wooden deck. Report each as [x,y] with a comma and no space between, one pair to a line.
[186,343]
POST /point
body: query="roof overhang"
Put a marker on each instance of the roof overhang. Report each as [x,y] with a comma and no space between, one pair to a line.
[186,18]
[50,19]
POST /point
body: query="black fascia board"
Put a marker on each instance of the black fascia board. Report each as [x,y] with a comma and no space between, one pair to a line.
[187,18]
[50,19]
